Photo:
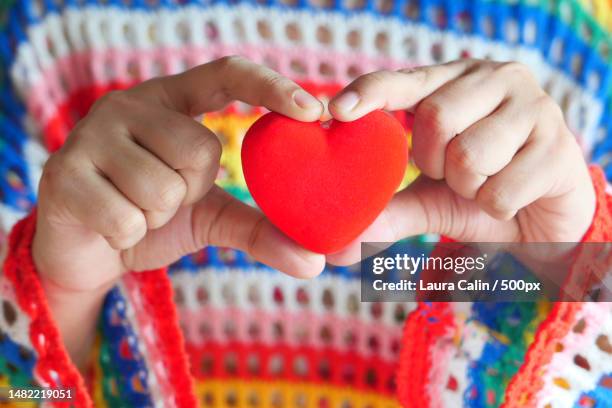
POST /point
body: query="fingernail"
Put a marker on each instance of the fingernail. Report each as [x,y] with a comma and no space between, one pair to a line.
[347,101]
[305,100]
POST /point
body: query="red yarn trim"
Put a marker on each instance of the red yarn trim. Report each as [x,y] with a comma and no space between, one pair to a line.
[425,326]
[527,382]
[19,268]
[155,289]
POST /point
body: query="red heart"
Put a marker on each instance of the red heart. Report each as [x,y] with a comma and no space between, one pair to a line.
[323,186]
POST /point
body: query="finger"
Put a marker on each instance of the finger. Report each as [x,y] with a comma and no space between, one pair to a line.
[393,90]
[183,144]
[487,146]
[221,220]
[93,201]
[211,86]
[531,175]
[429,207]
[143,179]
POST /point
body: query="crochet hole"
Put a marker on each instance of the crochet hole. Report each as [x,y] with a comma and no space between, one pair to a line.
[606,382]
[464,22]
[301,334]
[381,41]
[9,313]
[211,31]
[298,67]
[300,366]
[352,304]
[399,314]
[353,71]
[350,339]
[582,362]
[376,310]
[254,331]
[301,401]
[293,32]
[228,293]
[253,294]
[371,378]
[512,31]
[452,383]
[231,399]
[373,343]
[253,364]
[561,383]
[487,26]
[207,364]
[324,35]
[410,47]
[275,365]
[278,330]
[603,343]
[208,399]
[326,70]
[348,374]
[301,296]
[205,331]
[230,330]
[324,4]
[576,64]
[353,39]
[354,4]
[278,296]
[586,402]
[264,30]
[384,6]
[328,299]
[230,363]
[325,334]
[530,32]
[202,295]
[579,326]
[253,399]
[128,34]
[183,31]
[276,400]
[436,52]
[324,369]
[593,81]
[437,16]
[412,10]
[289,2]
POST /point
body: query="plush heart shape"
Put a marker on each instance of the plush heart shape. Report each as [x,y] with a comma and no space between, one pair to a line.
[324,185]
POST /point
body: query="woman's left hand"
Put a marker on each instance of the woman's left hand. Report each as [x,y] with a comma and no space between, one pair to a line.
[498,162]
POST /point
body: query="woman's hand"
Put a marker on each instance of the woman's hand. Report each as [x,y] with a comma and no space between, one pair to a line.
[498,162]
[133,189]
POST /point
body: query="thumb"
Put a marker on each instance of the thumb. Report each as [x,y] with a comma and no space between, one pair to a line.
[221,220]
[429,207]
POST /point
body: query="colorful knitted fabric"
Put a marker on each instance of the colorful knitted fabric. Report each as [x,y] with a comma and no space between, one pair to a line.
[249,336]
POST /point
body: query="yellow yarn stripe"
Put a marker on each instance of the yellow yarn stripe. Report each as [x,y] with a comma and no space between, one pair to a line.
[259,394]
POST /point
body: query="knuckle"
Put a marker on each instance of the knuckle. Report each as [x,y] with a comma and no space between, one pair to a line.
[205,154]
[548,108]
[433,116]
[373,79]
[172,193]
[113,100]
[459,153]
[229,61]
[125,224]
[496,198]
[59,171]
[514,70]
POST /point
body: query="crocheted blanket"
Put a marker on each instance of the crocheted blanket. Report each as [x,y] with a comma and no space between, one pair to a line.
[219,330]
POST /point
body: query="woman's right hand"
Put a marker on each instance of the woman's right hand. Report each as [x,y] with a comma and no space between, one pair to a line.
[133,187]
